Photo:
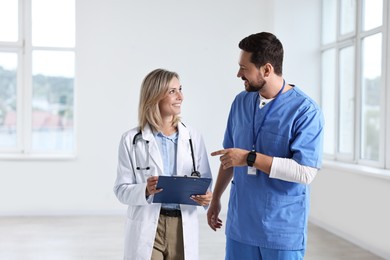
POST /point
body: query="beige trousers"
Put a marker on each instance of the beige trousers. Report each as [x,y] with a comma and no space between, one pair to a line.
[168,243]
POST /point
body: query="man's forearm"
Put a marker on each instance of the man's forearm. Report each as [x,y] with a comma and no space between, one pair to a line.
[223,179]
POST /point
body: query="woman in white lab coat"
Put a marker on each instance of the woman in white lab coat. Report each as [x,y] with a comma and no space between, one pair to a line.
[160,145]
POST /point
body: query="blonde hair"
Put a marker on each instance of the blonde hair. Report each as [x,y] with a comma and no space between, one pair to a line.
[153,89]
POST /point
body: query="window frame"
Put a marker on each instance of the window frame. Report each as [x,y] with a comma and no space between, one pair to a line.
[24,49]
[356,39]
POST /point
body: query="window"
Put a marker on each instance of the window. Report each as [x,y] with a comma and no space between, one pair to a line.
[354,89]
[37,63]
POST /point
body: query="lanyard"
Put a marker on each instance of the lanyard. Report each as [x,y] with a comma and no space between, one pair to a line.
[256,134]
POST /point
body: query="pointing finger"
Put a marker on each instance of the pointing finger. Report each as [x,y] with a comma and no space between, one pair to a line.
[219,152]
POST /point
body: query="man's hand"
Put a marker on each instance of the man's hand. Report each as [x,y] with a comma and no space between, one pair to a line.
[232,157]
[212,215]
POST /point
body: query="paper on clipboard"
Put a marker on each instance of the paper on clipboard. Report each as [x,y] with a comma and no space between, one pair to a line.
[179,189]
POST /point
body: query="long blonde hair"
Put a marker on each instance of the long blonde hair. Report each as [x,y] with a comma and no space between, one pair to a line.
[153,89]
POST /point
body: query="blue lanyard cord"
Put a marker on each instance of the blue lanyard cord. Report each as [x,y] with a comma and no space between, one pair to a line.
[256,134]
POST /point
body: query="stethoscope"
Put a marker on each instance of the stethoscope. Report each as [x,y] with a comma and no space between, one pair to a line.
[138,137]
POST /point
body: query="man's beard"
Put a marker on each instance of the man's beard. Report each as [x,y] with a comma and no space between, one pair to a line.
[255,88]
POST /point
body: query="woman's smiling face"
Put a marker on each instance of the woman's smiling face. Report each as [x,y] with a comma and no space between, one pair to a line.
[170,105]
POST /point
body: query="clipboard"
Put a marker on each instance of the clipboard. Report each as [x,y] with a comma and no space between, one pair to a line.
[179,189]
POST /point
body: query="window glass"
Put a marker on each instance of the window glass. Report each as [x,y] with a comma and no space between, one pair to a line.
[347,16]
[328,97]
[371,93]
[8,20]
[8,65]
[347,101]
[53,23]
[372,14]
[52,101]
[329,19]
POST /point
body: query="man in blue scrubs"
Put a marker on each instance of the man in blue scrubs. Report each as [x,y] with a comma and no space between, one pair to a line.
[272,151]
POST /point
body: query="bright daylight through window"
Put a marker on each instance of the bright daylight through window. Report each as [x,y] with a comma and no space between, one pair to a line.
[37,56]
[353,83]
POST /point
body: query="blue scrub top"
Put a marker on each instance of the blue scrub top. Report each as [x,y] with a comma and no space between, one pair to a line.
[268,212]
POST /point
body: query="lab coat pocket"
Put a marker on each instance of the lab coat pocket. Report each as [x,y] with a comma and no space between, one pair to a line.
[285,214]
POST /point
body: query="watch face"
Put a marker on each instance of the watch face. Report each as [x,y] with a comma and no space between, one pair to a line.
[251,158]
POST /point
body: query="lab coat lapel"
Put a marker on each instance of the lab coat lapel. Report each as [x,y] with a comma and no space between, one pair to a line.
[183,149]
[155,155]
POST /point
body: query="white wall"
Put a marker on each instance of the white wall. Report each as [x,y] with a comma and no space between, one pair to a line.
[297,24]
[353,203]
[118,43]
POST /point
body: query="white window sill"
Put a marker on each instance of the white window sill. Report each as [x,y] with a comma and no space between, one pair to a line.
[357,169]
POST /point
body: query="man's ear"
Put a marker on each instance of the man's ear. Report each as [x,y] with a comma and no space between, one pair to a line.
[267,69]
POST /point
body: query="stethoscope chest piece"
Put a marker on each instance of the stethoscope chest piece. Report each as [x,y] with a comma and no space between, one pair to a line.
[195,174]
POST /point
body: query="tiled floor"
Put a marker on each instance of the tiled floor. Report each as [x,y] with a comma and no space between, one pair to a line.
[101,237]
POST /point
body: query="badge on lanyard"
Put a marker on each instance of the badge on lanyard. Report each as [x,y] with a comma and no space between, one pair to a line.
[252,170]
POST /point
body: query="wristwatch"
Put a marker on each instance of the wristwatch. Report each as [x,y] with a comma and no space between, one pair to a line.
[251,158]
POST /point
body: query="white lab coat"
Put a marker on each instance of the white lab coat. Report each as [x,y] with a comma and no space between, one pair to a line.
[130,185]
